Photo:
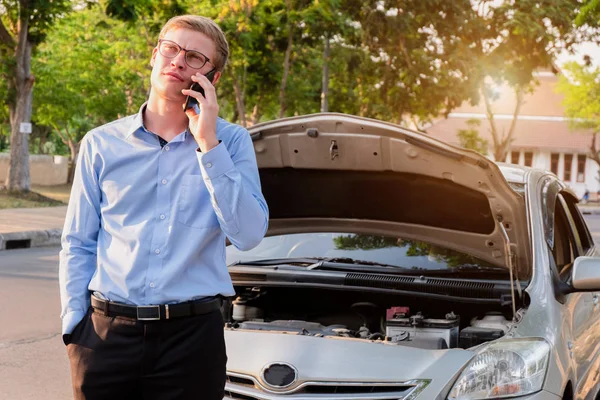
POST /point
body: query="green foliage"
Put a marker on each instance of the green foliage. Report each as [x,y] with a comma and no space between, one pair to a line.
[394,60]
[41,15]
[469,138]
[581,88]
[589,14]
[88,74]
[419,61]
[527,35]
[134,10]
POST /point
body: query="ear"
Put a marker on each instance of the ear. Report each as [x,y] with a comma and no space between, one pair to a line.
[216,77]
[153,58]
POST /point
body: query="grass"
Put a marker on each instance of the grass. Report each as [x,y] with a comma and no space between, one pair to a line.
[39,196]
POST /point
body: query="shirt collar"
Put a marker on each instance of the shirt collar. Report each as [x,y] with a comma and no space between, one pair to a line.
[138,124]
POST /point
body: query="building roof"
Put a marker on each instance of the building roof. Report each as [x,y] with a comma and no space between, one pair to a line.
[541,123]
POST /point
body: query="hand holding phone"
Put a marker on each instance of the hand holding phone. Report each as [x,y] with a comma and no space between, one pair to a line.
[191,101]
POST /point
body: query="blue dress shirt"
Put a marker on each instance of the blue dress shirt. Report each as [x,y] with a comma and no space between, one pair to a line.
[147,225]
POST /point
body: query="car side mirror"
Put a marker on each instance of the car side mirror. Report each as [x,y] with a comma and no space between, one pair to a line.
[586,274]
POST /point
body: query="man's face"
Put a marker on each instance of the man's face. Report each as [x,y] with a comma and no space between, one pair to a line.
[171,75]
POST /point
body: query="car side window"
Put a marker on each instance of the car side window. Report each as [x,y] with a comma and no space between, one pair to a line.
[565,248]
[581,227]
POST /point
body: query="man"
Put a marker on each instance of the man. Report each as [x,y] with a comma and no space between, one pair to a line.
[142,266]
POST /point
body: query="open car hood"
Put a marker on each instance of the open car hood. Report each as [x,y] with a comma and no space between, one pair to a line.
[327,171]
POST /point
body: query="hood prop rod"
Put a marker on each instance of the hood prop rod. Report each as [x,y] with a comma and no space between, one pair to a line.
[509,262]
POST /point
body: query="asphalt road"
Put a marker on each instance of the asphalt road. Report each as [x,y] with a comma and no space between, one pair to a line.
[593,222]
[33,360]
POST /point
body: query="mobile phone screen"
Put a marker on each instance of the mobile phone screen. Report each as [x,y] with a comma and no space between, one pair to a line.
[191,101]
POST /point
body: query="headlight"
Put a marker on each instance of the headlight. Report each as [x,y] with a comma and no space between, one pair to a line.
[513,367]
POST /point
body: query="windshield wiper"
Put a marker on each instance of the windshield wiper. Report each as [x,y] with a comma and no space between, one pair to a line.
[276,261]
[330,263]
[335,261]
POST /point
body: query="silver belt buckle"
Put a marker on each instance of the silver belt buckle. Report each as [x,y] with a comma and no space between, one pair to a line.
[148,313]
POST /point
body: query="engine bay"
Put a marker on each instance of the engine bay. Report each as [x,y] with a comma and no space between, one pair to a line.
[394,319]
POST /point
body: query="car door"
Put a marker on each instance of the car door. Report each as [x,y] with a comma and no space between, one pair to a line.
[587,319]
[571,240]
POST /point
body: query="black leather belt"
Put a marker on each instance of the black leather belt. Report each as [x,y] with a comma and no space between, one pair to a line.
[158,312]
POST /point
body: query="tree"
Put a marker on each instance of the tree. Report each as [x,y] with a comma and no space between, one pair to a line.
[4,115]
[309,23]
[589,13]
[469,138]
[409,63]
[581,88]
[252,30]
[23,25]
[103,76]
[521,37]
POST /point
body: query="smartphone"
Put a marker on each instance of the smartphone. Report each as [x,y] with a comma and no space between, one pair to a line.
[191,101]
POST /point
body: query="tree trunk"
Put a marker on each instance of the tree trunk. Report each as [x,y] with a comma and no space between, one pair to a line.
[256,113]
[490,117]
[43,136]
[74,149]
[325,88]
[501,143]
[239,100]
[594,154]
[364,106]
[286,71]
[20,111]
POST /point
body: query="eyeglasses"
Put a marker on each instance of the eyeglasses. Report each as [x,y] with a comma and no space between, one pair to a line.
[193,58]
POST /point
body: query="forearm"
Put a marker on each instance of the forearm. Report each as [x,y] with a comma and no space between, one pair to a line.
[236,196]
[76,268]
[243,216]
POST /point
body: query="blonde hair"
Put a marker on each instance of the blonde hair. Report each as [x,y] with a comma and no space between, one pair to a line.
[205,26]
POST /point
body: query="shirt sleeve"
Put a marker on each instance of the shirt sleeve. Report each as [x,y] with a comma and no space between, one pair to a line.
[79,240]
[232,179]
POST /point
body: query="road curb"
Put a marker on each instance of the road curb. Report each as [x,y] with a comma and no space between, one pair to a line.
[14,240]
[589,211]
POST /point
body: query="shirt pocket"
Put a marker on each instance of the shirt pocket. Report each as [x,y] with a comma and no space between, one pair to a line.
[195,207]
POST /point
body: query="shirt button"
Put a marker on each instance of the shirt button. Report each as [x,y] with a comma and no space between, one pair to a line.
[208,165]
[164,181]
[152,284]
[167,148]
[157,251]
[162,216]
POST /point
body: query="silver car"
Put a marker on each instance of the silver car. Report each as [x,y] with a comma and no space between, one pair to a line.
[400,267]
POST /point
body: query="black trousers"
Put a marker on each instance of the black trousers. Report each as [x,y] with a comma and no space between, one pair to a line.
[120,358]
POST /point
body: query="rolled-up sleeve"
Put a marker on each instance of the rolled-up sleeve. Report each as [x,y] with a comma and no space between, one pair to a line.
[79,240]
[232,179]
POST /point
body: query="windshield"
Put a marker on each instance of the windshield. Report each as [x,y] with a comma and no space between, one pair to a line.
[390,250]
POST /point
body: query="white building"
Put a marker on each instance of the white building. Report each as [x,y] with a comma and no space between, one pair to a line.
[543,137]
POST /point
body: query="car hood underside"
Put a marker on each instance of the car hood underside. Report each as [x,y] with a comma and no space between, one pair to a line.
[326,171]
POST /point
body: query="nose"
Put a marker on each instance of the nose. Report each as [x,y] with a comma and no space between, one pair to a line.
[179,60]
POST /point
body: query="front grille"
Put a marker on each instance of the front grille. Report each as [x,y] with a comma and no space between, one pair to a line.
[336,389]
[232,395]
[240,380]
[247,388]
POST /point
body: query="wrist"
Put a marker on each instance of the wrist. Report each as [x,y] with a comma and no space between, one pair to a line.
[207,144]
